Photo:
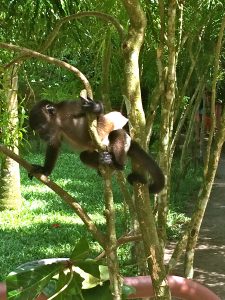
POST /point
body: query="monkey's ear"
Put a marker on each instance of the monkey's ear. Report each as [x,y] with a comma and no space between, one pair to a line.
[51,110]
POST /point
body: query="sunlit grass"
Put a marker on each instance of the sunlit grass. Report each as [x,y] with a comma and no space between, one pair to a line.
[46,226]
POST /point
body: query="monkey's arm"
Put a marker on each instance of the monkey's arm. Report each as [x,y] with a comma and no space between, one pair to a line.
[51,156]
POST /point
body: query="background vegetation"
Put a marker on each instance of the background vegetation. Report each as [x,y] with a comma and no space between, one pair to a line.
[181,60]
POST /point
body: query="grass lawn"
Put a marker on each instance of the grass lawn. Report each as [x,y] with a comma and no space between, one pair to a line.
[46,227]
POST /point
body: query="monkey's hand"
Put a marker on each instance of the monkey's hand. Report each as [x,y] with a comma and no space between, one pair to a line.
[105,158]
[91,106]
[36,169]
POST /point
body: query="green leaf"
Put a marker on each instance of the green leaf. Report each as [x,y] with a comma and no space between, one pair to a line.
[81,250]
[98,293]
[89,281]
[92,273]
[90,266]
[128,290]
[28,280]
[73,287]
[104,272]
[50,288]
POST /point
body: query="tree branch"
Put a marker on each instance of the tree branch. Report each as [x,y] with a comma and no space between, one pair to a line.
[51,37]
[124,239]
[51,60]
[103,16]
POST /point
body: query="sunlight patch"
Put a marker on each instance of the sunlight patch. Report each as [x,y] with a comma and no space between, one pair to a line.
[98,218]
[56,218]
[63,181]
[37,189]
[37,204]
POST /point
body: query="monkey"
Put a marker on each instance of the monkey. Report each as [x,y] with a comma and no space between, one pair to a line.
[68,121]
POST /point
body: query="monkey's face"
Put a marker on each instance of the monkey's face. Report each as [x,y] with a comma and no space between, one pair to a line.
[44,131]
[42,120]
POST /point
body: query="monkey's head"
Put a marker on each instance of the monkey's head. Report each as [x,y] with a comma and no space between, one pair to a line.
[42,119]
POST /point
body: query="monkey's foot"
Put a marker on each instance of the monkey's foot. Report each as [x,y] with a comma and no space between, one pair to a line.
[135,177]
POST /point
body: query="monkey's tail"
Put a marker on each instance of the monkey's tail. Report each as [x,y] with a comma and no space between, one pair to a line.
[148,164]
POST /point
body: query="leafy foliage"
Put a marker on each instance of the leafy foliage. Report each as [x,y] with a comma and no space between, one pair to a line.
[77,277]
[81,43]
[68,276]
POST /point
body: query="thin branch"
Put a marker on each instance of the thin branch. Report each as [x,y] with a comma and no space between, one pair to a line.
[184,116]
[52,36]
[51,60]
[121,180]
[111,246]
[162,23]
[124,239]
[106,62]
[103,16]
[151,111]
[178,251]
[159,90]
[181,21]
[71,201]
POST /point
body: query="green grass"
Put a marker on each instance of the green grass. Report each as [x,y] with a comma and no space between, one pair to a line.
[46,226]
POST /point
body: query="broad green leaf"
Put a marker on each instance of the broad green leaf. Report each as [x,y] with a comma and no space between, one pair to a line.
[89,280]
[29,280]
[50,288]
[104,273]
[92,273]
[72,287]
[81,250]
[98,293]
[90,266]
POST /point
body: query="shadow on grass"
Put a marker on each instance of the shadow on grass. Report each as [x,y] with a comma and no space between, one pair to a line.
[81,182]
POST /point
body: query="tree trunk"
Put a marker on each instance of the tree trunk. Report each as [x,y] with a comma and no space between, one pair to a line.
[167,122]
[131,50]
[111,244]
[10,194]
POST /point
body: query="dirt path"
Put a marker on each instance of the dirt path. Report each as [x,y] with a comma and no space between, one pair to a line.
[210,253]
